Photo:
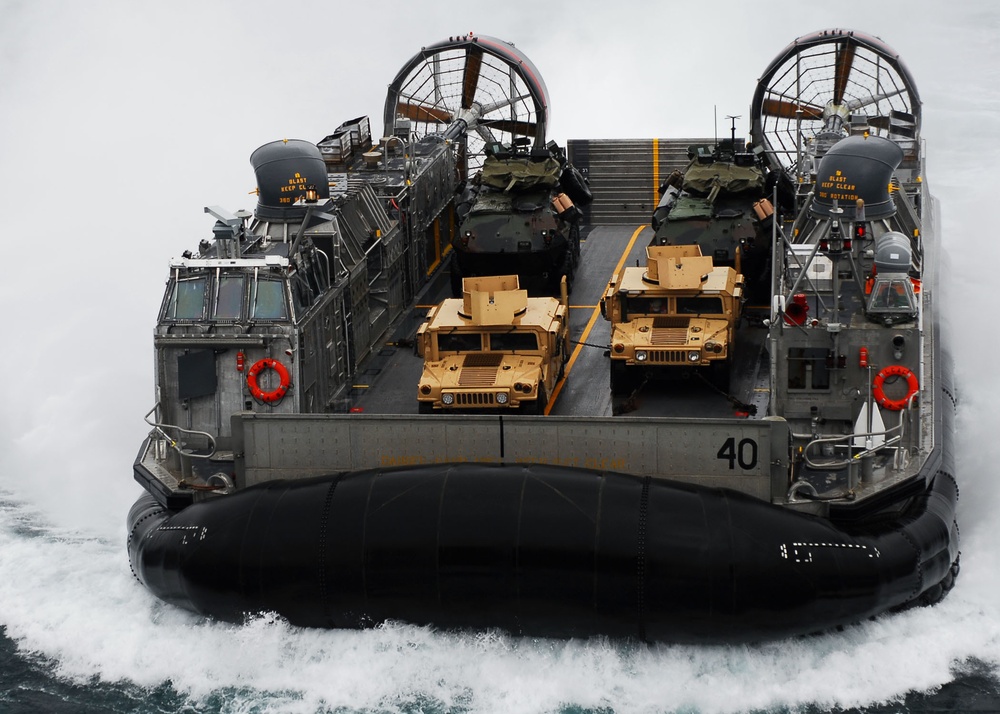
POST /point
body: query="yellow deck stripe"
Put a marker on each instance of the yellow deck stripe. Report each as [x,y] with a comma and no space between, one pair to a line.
[590,325]
[628,249]
[656,171]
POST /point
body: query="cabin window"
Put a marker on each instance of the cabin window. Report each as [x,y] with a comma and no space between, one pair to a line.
[892,299]
[891,295]
[513,341]
[460,342]
[808,368]
[699,306]
[268,300]
[229,298]
[188,300]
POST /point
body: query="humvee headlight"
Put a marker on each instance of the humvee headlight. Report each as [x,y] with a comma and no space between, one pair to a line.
[640,355]
[694,356]
[448,399]
[501,397]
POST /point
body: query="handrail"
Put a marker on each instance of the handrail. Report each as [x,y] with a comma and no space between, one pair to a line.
[844,437]
[901,428]
[174,443]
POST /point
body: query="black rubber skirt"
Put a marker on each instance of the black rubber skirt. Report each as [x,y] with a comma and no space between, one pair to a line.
[538,550]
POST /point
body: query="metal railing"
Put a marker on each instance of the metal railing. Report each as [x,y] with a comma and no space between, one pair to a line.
[161,440]
[858,458]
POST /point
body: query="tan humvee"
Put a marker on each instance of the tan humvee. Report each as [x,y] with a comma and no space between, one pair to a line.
[679,310]
[495,348]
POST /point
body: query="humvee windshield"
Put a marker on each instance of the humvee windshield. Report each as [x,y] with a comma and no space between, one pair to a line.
[513,341]
[699,306]
[637,306]
[460,342]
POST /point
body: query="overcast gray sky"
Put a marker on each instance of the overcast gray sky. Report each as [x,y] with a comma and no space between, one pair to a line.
[121,120]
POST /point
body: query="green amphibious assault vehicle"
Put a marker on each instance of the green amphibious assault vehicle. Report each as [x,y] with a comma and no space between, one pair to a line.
[720,202]
[520,216]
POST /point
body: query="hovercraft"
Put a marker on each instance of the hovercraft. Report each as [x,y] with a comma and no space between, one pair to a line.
[791,472]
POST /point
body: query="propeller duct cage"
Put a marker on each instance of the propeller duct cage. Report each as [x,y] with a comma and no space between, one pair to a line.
[829,85]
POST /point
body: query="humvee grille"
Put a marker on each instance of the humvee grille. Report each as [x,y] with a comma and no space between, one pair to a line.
[667,356]
[475,399]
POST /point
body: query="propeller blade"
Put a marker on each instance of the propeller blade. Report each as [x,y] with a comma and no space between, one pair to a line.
[503,102]
[511,126]
[470,79]
[856,104]
[789,110]
[901,124]
[421,112]
[845,61]
[436,74]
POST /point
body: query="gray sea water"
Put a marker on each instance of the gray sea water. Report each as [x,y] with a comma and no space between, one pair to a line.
[119,121]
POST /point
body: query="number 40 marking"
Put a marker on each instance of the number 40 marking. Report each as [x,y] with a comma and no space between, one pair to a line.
[745,453]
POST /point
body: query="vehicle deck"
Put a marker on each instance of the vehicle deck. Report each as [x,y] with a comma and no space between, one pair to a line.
[388,384]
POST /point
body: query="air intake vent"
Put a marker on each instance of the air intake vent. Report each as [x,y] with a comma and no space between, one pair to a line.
[284,170]
[857,167]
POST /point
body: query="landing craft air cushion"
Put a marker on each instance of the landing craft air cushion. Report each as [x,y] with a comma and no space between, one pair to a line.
[287,469]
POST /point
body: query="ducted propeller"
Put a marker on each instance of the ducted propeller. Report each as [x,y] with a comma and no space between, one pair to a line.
[832,82]
[472,88]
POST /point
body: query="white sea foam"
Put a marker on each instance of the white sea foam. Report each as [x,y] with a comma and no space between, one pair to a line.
[73,599]
[121,122]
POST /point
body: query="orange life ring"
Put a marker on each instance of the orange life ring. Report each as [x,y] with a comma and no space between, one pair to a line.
[275,395]
[895,370]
